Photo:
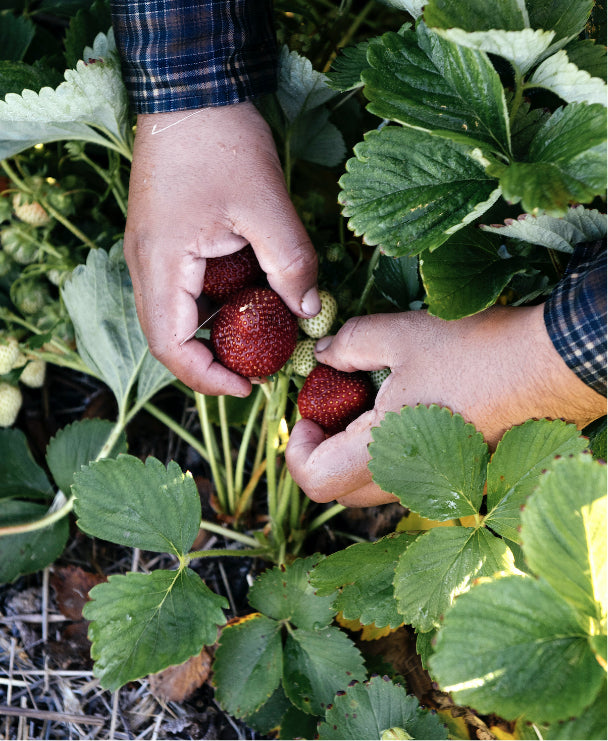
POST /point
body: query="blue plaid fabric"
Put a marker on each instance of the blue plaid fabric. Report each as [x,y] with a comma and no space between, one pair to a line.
[575,315]
[181,54]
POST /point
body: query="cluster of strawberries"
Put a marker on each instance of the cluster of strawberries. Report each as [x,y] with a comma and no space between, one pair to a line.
[255,334]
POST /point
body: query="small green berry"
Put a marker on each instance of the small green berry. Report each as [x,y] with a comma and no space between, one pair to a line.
[303,357]
[9,352]
[33,374]
[11,399]
[320,325]
[378,377]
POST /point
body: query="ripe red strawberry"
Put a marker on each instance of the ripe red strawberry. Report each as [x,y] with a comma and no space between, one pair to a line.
[226,275]
[254,332]
[333,398]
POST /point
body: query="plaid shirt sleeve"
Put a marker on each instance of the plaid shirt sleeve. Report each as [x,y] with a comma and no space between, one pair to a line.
[182,54]
[575,315]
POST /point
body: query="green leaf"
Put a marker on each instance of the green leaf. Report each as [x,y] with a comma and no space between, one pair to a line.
[422,80]
[99,299]
[143,623]
[397,279]
[83,28]
[284,593]
[16,34]
[588,55]
[565,17]
[432,460]
[530,656]
[521,48]
[441,565]
[406,190]
[591,724]
[77,445]
[477,15]
[424,646]
[90,105]
[248,664]
[413,7]
[269,717]
[20,475]
[567,162]
[300,87]
[139,505]
[365,573]
[579,224]
[297,724]
[26,553]
[312,137]
[466,274]
[17,76]
[559,75]
[345,72]
[368,709]
[564,533]
[521,457]
[316,664]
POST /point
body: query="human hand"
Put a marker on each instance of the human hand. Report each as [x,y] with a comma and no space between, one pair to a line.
[497,369]
[204,184]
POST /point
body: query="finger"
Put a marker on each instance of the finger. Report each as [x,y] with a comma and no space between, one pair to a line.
[363,343]
[283,248]
[166,303]
[333,468]
[368,496]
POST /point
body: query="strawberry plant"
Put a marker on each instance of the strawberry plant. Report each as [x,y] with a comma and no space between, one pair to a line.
[464,145]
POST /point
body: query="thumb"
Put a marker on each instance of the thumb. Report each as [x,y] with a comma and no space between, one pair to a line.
[363,343]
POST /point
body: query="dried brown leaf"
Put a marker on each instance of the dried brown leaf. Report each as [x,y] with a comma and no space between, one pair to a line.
[72,585]
[178,683]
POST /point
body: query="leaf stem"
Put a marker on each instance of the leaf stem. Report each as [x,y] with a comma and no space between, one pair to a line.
[169,422]
[49,519]
[216,552]
[209,438]
[244,446]
[370,281]
[211,527]
[325,516]
[228,472]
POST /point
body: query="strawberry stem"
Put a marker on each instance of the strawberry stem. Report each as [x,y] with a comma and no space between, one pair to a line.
[228,472]
[211,445]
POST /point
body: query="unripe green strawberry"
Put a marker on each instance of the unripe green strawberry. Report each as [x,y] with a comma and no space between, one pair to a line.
[303,357]
[33,374]
[335,252]
[58,277]
[10,404]
[378,377]
[19,241]
[6,263]
[30,296]
[9,352]
[31,212]
[319,326]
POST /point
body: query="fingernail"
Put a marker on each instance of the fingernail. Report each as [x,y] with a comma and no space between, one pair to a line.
[311,303]
[323,344]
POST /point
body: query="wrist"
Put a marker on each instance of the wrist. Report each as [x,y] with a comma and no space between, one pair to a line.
[539,383]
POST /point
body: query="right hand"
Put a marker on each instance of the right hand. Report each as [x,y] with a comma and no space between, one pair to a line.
[204,184]
[497,369]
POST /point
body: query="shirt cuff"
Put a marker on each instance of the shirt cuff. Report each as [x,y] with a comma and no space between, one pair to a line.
[575,315]
[182,55]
